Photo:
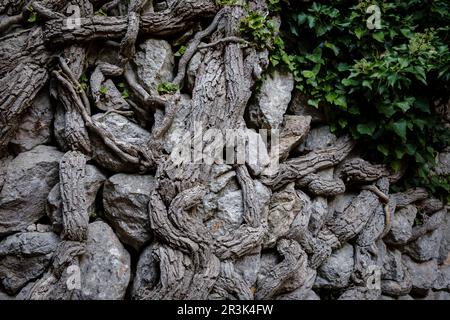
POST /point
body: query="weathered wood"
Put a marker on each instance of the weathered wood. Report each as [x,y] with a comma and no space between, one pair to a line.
[75,216]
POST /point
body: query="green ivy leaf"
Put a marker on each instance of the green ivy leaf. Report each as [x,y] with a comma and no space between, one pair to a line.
[33,17]
[383,149]
[404,105]
[422,104]
[333,47]
[367,129]
[308,74]
[343,123]
[410,149]
[314,103]
[379,36]
[399,128]
[396,165]
[399,153]
[359,33]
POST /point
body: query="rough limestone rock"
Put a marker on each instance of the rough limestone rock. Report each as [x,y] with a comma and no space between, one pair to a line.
[395,276]
[257,156]
[230,207]
[177,130]
[4,163]
[36,125]
[318,138]
[103,194]
[125,200]
[273,100]
[105,267]
[443,279]
[111,99]
[24,257]
[94,179]
[29,179]
[124,131]
[444,250]
[294,130]
[423,274]
[335,272]
[300,107]
[147,272]
[402,224]
[59,127]
[248,266]
[443,163]
[154,62]
[426,247]
[191,72]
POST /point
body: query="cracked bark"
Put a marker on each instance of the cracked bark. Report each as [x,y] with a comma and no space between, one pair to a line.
[287,213]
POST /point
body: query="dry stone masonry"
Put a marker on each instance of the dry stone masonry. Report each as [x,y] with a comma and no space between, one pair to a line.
[92,205]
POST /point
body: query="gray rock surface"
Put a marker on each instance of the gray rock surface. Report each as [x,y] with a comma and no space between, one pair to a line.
[154,62]
[4,163]
[191,72]
[426,247]
[125,200]
[36,125]
[318,138]
[29,179]
[105,267]
[444,250]
[24,257]
[147,272]
[273,100]
[402,224]
[423,274]
[443,278]
[335,272]
[124,131]
[300,107]
[443,163]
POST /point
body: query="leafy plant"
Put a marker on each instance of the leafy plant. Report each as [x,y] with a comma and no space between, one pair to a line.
[228,2]
[263,33]
[33,15]
[274,5]
[100,13]
[123,90]
[103,90]
[84,83]
[167,88]
[180,51]
[380,86]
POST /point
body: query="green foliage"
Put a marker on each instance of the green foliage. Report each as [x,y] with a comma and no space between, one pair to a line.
[228,2]
[84,84]
[418,221]
[123,90]
[103,90]
[167,88]
[100,13]
[263,33]
[378,85]
[258,29]
[180,51]
[33,15]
